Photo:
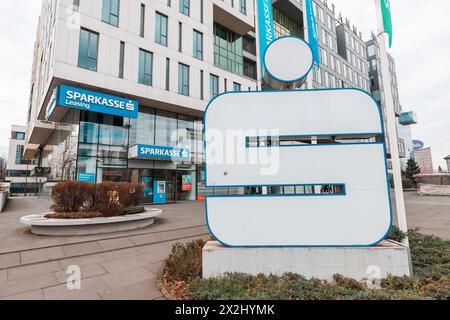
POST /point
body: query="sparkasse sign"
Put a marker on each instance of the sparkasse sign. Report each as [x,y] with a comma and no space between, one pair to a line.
[77,98]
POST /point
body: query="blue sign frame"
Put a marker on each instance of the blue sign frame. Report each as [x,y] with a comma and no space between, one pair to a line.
[76,98]
[159,152]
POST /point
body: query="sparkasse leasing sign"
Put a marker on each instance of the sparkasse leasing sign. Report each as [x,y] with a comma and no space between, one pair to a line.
[77,98]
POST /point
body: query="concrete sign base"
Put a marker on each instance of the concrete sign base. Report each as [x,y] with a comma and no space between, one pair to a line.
[322,263]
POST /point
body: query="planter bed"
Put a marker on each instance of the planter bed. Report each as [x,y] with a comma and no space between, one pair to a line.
[41,225]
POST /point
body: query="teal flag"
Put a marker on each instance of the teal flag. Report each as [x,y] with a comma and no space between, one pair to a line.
[387,18]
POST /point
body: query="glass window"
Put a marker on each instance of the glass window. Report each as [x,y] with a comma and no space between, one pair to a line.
[284,26]
[228,49]
[19,154]
[183,79]
[214,86]
[20,135]
[236,86]
[243,6]
[88,50]
[166,129]
[111,12]
[250,68]
[371,50]
[142,28]
[185,132]
[112,135]
[198,45]
[143,128]
[161,29]
[184,7]
[88,132]
[145,67]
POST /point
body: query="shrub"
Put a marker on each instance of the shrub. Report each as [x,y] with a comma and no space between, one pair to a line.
[108,201]
[431,280]
[185,261]
[396,234]
[70,196]
[130,194]
[134,210]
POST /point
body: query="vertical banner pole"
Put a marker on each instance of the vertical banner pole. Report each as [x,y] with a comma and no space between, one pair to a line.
[391,124]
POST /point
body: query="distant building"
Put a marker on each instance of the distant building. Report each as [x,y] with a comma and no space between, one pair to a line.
[447,158]
[19,171]
[424,159]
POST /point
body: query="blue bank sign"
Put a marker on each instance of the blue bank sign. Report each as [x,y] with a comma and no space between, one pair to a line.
[77,98]
[418,145]
[266,26]
[158,152]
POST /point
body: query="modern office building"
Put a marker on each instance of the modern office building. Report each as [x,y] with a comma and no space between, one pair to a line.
[404,119]
[149,68]
[118,88]
[424,160]
[21,175]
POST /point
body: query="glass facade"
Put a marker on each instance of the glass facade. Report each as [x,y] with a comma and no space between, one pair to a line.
[228,50]
[284,26]
[19,154]
[60,152]
[103,147]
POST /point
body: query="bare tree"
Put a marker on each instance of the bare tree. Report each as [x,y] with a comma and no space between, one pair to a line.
[2,168]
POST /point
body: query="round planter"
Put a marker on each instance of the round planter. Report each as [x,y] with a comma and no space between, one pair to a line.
[41,225]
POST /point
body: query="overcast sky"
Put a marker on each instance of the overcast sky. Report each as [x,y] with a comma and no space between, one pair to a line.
[421,49]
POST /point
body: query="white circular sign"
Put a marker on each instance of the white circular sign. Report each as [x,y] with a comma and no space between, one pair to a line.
[288,59]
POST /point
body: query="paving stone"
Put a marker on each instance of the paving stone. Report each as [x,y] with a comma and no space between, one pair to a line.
[23,285]
[144,290]
[33,270]
[42,255]
[9,259]
[89,290]
[145,239]
[87,271]
[123,264]
[30,295]
[155,267]
[128,277]
[114,244]
[3,275]
[80,249]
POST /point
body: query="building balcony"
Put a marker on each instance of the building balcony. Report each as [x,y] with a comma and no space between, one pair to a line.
[408,118]
[228,14]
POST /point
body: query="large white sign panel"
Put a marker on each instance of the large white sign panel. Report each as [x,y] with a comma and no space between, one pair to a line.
[359,217]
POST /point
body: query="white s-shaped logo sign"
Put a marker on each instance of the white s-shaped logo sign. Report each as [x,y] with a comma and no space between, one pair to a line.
[359,216]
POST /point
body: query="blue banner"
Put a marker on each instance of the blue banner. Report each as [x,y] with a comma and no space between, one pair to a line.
[157,152]
[265,26]
[313,34]
[81,99]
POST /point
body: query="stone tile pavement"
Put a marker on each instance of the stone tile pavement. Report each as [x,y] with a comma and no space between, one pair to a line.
[125,265]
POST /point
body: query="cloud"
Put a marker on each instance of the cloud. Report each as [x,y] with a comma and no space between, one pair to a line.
[19,21]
